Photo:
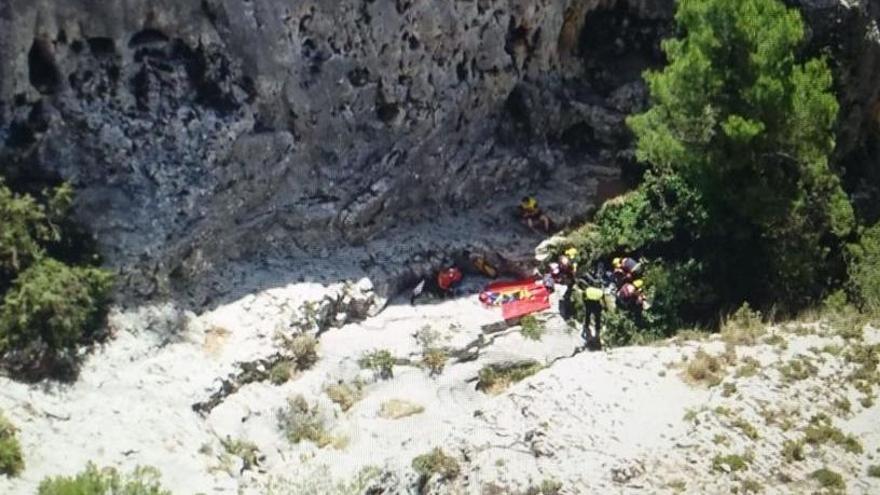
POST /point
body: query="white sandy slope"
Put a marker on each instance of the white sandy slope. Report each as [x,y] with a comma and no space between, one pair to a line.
[596,421]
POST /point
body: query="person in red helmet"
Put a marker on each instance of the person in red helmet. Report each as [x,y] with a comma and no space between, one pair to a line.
[631,295]
[447,279]
[443,285]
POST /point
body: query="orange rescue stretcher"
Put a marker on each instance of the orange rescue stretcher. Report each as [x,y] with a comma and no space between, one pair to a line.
[517,298]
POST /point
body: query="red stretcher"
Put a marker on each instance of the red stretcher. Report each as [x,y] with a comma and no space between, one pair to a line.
[518,298]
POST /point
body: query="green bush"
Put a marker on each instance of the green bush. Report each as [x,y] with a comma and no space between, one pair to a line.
[738,202]
[864,270]
[107,481]
[11,460]
[302,421]
[381,361]
[304,351]
[829,479]
[495,378]
[531,328]
[51,309]
[436,463]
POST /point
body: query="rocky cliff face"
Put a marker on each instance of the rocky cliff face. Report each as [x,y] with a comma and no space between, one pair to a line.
[199,131]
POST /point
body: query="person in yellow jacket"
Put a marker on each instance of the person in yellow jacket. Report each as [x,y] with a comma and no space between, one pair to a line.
[594,297]
[531,214]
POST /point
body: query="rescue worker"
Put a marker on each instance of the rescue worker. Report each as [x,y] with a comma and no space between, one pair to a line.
[631,295]
[531,214]
[564,273]
[442,286]
[593,298]
[625,270]
[447,280]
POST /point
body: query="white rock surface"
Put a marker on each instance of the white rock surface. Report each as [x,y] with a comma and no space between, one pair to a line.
[608,421]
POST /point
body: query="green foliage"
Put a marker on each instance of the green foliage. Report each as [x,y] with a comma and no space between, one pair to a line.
[793,450]
[664,208]
[874,471]
[434,359]
[864,270]
[11,460]
[436,463]
[494,378]
[547,487]
[107,481]
[344,394]
[829,479]
[738,202]
[303,421]
[531,327]
[245,450]
[732,462]
[821,431]
[52,308]
[381,361]
[304,351]
[49,307]
[25,229]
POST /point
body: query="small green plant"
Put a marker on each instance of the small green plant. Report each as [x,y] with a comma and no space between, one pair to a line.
[749,368]
[751,486]
[303,349]
[107,481]
[677,486]
[495,378]
[746,428]
[282,371]
[302,421]
[427,337]
[531,328]
[728,389]
[547,487]
[874,471]
[436,463]
[793,451]
[797,369]
[11,460]
[721,439]
[730,463]
[843,405]
[821,431]
[245,450]
[776,339]
[704,368]
[434,360]
[381,361]
[744,327]
[828,479]
[344,394]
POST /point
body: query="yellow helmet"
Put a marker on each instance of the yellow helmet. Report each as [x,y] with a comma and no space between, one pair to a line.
[639,283]
[616,262]
[529,203]
[571,252]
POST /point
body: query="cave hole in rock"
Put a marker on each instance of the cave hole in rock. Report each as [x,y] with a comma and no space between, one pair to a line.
[209,74]
[517,36]
[517,107]
[102,47]
[387,112]
[617,46]
[42,69]
[147,37]
[359,77]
